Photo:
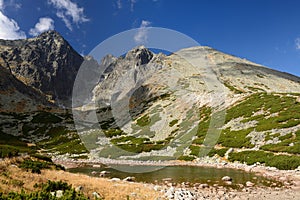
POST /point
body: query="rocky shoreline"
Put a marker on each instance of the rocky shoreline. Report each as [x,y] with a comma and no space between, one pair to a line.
[290,179]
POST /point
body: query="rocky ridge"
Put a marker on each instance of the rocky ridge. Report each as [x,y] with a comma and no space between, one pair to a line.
[47,64]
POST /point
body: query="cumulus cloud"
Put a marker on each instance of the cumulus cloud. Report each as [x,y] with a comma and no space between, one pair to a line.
[297,43]
[142,35]
[9,28]
[69,12]
[44,24]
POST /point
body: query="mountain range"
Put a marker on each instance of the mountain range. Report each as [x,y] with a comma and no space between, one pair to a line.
[194,102]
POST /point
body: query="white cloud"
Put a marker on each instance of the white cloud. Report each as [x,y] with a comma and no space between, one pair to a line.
[142,35]
[44,24]
[9,28]
[69,12]
[297,43]
[10,3]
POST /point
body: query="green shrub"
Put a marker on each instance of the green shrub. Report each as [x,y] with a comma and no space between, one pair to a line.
[173,122]
[42,157]
[233,89]
[220,152]
[8,151]
[144,121]
[250,157]
[34,166]
[186,158]
[113,132]
[235,139]
[195,150]
[282,162]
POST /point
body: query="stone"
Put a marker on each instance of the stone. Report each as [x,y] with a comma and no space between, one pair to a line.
[59,193]
[133,194]
[96,195]
[228,182]
[282,179]
[226,178]
[115,179]
[228,152]
[167,179]
[204,185]
[104,173]
[249,184]
[79,188]
[129,179]
[157,188]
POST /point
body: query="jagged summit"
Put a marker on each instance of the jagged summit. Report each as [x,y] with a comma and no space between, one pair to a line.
[47,63]
[53,33]
[141,54]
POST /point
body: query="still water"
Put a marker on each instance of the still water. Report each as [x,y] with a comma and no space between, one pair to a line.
[179,174]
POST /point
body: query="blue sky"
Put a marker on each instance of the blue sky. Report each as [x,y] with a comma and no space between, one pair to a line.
[263,31]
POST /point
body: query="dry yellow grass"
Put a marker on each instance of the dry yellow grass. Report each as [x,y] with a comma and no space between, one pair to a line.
[13,178]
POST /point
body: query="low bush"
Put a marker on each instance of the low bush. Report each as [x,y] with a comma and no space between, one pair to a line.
[34,166]
[173,122]
[283,162]
[186,158]
[220,152]
[144,121]
[235,139]
[8,151]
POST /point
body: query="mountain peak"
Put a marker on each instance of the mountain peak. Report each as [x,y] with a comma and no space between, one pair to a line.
[141,54]
[50,33]
[43,63]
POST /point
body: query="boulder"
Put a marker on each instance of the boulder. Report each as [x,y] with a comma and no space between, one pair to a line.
[226,178]
[115,179]
[96,195]
[204,185]
[79,188]
[104,173]
[249,184]
[129,179]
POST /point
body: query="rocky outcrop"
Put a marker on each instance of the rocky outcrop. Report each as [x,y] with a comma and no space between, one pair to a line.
[46,63]
[15,96]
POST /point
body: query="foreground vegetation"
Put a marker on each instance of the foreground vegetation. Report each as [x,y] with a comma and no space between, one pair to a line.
[51,191]
[19,181]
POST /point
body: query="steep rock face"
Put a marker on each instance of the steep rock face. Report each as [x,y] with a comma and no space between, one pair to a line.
[46,63]
[123,74]
[15,96]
